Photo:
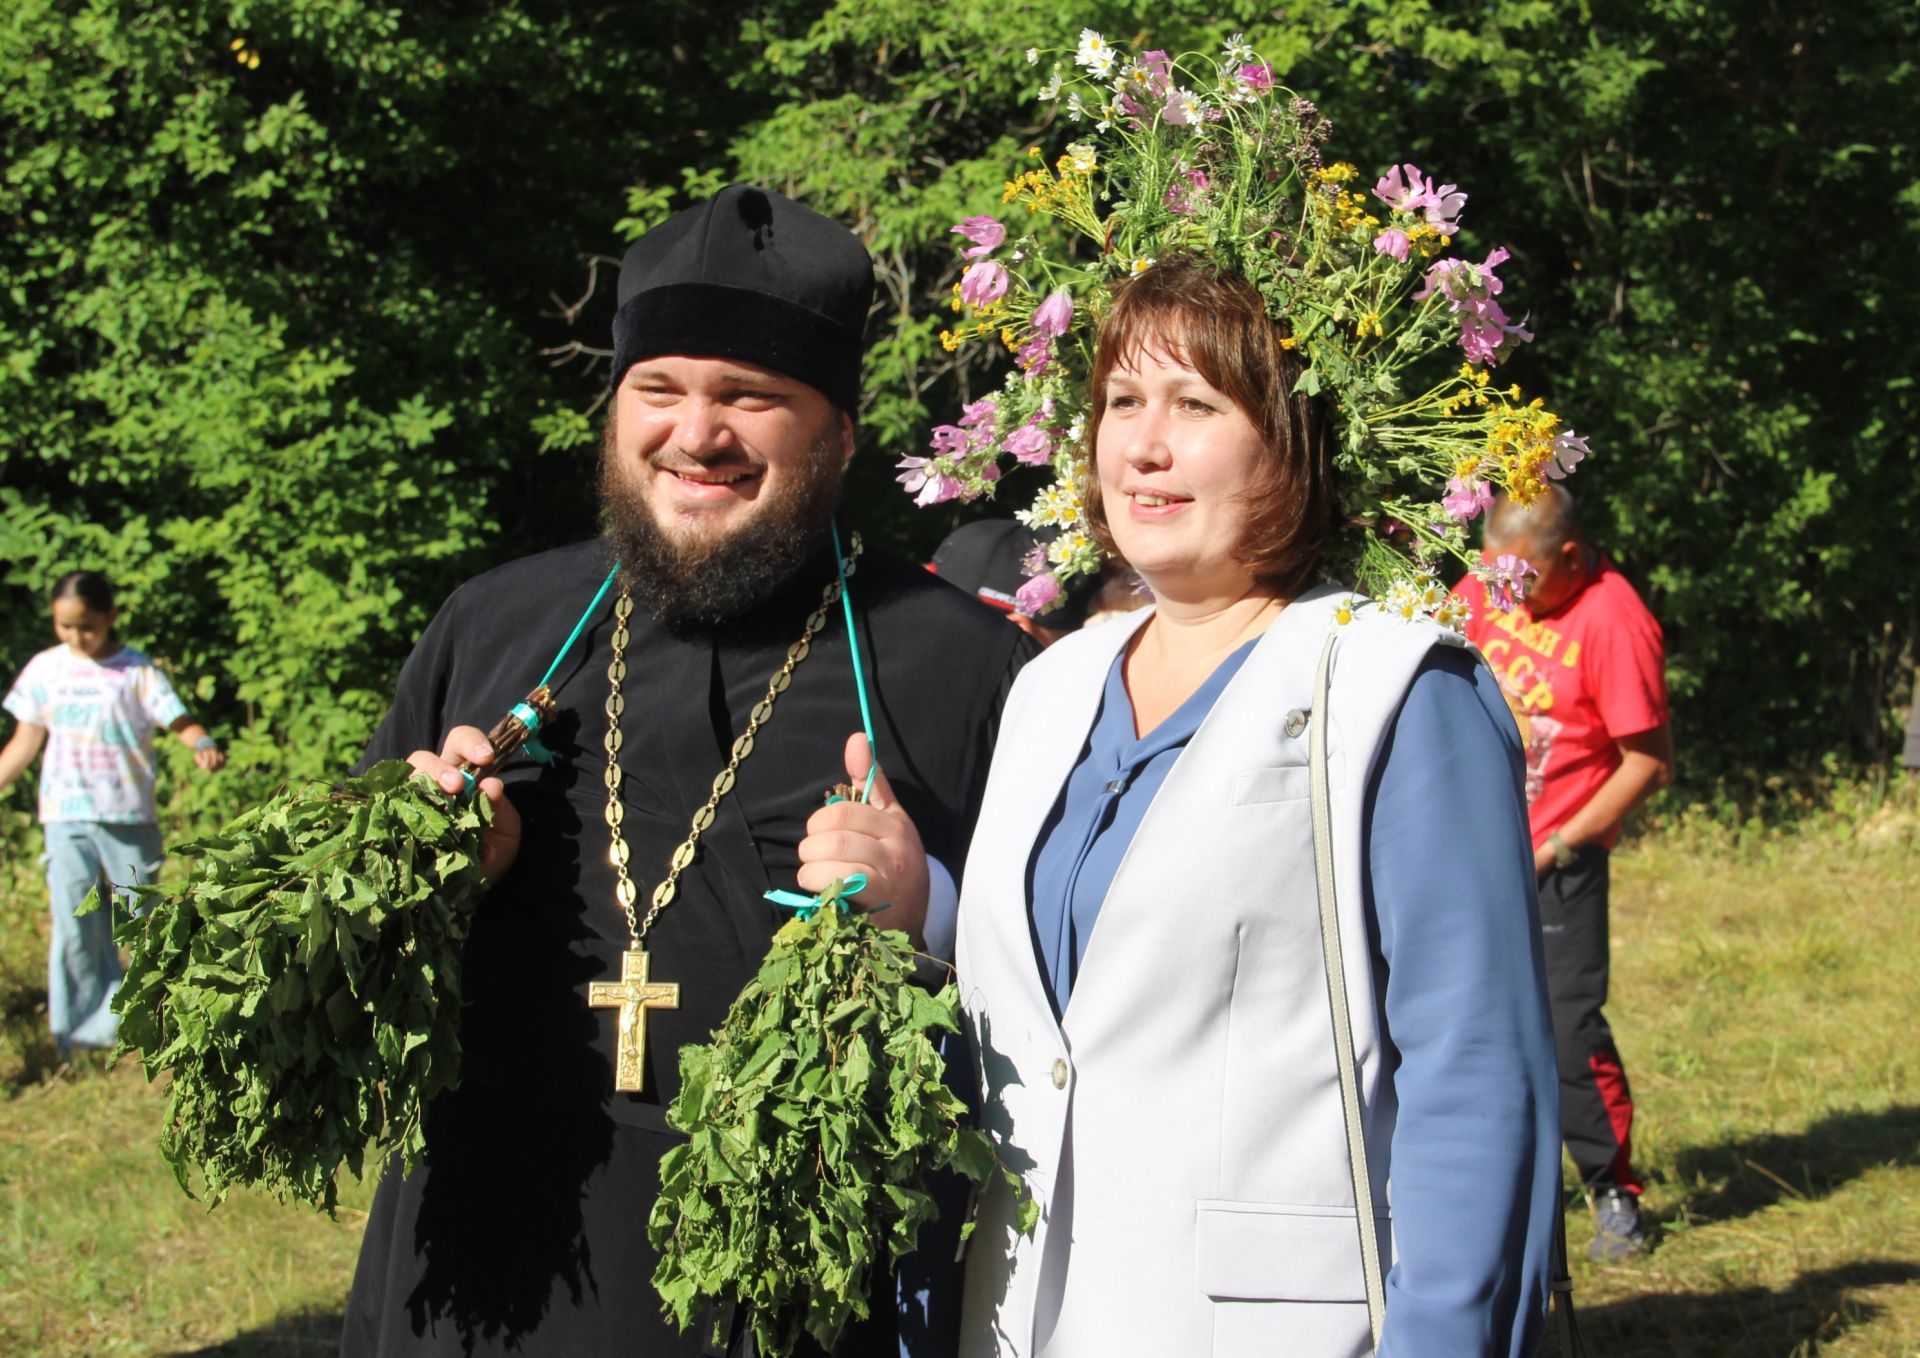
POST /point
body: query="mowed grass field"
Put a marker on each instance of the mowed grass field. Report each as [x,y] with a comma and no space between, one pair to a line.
[1764,997]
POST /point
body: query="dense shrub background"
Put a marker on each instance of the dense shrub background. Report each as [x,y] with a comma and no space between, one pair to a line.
[298,298]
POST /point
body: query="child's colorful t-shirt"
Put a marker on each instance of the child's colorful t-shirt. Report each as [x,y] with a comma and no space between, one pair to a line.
[1586,676]
[100,716]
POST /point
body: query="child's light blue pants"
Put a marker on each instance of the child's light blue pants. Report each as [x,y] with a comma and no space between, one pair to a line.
[83,969]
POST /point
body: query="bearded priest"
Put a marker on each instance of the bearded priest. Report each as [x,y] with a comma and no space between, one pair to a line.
[707,705]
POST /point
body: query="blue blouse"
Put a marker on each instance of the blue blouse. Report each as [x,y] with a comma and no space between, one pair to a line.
[1465,1010]
[1105,798]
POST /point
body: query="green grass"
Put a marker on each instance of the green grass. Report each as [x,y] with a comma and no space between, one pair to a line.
[1764,999]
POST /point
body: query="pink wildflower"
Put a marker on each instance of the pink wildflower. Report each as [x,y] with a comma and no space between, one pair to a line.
[1482,333]
[1183,109]
[983,284]
[985,232]
[1256,76]
[1402,188]
[1157,66]
[1486,335]
[1029,444]
[1466,498]
[1443,208]
[1186,185]
[1568,449]
[976,414]
[949,440]
[1054,317]
[1405,189]
[1033,597]
[1506,581]
[925,482]
[1035,357]
[1393,241]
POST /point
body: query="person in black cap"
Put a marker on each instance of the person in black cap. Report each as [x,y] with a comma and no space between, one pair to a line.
[988,559]
[736,379]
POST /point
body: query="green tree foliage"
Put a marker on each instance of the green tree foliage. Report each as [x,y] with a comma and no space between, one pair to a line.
[277,276]
[1710,208]
[272,334]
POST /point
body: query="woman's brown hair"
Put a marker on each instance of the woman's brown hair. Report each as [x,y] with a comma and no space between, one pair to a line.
[1216,324]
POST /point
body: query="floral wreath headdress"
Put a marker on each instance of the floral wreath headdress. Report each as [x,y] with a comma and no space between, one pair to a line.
[1210,157]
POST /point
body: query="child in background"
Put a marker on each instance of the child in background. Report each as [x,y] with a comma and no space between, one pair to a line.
[93,703]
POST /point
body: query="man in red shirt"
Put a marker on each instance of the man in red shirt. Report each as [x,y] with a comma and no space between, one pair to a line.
[1582,665]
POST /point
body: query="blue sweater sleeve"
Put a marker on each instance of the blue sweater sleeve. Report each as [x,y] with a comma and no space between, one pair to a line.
[1476,1148]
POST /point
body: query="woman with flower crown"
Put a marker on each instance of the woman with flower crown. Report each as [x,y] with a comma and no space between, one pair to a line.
[1248,933]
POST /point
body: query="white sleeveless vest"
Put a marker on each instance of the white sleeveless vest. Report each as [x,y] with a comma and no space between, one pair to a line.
[1181,1126]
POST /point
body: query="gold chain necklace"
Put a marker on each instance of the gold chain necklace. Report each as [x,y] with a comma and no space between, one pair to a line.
[634,993]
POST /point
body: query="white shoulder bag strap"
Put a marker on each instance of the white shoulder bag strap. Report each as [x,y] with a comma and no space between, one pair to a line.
[1337,997]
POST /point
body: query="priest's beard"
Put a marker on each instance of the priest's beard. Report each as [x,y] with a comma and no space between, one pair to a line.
[699,581]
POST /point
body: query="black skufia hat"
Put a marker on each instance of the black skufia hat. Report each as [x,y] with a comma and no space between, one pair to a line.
[750,275]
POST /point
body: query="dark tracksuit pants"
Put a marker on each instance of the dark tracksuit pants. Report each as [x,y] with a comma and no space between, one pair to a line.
[1596,1106]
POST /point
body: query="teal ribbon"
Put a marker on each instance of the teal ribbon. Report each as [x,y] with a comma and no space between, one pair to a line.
[529,718]
[578,627]
[859,670]
[532,748]
[805,906]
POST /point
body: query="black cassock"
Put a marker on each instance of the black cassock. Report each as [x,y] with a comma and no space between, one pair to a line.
[525,1231]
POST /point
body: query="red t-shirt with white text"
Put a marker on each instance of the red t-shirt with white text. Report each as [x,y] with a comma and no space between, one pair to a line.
[1590,673]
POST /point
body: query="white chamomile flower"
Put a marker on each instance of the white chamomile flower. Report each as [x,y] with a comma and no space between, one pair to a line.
[1050,90]
[1081,157]
[1076,429]
[1186,109]
[1343,612]
[1237,50]
[1402,601]
[1069,547]
[1093,53]
[1044,510]
[1076,109]
[1033,56]
[1453,614]
[1142,264]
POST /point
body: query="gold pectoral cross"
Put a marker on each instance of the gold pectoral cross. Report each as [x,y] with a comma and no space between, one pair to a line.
[633,994]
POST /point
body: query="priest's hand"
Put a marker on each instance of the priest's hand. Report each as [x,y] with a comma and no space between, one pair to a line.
[875,838]
[499,842]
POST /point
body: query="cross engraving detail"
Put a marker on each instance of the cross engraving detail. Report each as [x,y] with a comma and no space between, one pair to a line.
[633,995]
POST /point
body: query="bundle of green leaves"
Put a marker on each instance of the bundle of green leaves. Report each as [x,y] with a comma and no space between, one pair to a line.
[814,1117]
[302,984]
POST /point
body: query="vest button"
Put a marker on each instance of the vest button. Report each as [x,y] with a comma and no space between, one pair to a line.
[1059,1074]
